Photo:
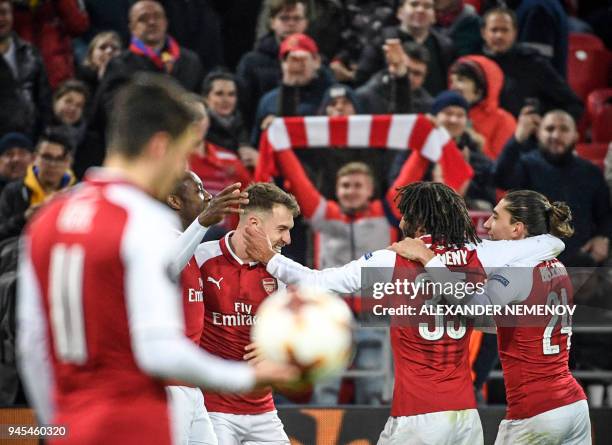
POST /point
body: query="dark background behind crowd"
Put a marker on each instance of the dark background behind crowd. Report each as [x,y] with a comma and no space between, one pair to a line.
[521,86]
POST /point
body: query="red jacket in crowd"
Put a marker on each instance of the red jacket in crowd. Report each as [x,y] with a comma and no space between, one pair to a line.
[50,25]
[488,118]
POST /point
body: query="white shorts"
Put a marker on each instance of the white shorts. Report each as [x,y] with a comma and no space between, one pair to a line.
[249,429]
[190,422]
[441,428]
[568,425]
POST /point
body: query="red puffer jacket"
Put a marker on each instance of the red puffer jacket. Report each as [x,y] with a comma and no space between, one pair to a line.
[50,26]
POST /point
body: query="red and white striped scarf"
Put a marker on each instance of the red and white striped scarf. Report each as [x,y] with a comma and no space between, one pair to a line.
[398,131]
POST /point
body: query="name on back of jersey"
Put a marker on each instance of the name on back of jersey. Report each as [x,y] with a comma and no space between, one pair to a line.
[453,258]
[552,270]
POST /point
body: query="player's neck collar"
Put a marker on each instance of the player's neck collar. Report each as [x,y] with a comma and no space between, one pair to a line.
[231,252]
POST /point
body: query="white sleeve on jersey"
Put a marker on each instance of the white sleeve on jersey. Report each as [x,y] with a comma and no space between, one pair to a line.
[508,285]
[155,314]
[505,285]
[344,279]
[186,245]
[33,351]
[529,251]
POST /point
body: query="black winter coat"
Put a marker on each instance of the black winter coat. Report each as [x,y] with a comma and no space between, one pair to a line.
[187,71]
[258,72]
[372,58]
[543,82]
[26,100]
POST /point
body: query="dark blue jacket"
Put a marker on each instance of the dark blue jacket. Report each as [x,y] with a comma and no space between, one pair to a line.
[576,181]
[542,82]
[296,101]
[544,22]
[258,72]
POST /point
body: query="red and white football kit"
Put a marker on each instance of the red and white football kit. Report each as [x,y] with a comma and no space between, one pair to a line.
[190,420]
[99,317]
[544,399]
[234,290]
[440,407]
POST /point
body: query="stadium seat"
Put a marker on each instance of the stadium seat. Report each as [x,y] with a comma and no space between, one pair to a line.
[588,64]
[594,152]
[599,106]
[586,41]
[601,127]
[598,99]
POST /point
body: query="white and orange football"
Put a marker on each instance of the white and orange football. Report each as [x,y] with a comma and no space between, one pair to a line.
[306,327]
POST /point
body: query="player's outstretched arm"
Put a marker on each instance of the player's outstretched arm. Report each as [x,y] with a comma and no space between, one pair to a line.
[345,279]
[228,201]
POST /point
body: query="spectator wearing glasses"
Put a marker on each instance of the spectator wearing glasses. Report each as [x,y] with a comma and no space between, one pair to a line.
[259,71]
[48,174]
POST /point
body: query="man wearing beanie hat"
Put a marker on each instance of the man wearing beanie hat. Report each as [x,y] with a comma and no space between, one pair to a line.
[340,100]
[15,156]
[302,87]
[451,111]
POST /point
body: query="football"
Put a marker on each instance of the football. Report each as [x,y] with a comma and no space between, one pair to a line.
[306,327]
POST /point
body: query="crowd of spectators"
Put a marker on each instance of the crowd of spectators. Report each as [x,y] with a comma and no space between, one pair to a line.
[493,74]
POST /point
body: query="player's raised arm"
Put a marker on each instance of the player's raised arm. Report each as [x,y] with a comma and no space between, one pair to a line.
[345,279]
[228,201]
[307,195]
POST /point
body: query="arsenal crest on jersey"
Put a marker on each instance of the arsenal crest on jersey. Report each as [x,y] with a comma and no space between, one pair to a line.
[269,285]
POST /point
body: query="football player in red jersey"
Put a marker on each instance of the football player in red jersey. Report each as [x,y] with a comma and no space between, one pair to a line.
[192,202]
[544,399]
[234,285]
[99,314]
[433,399]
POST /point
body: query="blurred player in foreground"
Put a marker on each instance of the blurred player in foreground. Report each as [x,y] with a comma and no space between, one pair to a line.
[545,402]
[433,400]
[99,313]
[235,285]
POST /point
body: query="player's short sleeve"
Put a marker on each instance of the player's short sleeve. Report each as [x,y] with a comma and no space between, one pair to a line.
[506,285]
